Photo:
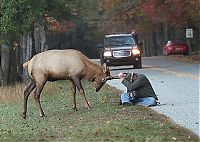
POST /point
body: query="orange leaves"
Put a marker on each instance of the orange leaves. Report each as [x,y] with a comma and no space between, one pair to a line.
[57,26]
[61,26]
[176,12]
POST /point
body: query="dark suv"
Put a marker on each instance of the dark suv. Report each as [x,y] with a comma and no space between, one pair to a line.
[120,49]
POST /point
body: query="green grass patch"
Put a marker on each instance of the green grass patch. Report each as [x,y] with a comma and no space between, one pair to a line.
[107,121]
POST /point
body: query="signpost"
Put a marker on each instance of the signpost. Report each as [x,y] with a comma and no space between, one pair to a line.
[189,35]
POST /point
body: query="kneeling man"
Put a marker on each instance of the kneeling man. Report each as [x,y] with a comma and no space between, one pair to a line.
[139,90]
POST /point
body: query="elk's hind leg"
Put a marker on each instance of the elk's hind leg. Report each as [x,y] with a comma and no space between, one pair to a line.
[39,86]
[27,92]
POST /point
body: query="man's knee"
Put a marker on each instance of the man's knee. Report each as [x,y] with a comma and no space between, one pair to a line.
[125,98]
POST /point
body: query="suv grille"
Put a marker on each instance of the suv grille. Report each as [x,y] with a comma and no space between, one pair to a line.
[122,53]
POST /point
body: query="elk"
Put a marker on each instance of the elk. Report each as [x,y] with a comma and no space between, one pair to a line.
[69,64]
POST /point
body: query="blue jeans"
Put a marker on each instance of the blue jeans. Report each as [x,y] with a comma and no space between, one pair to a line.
[147,101]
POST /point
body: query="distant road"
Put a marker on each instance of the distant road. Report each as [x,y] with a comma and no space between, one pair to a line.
[177,86]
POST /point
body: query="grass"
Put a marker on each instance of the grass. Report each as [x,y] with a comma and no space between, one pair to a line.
[107,121]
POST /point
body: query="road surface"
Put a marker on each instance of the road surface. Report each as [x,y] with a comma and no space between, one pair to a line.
[175,83]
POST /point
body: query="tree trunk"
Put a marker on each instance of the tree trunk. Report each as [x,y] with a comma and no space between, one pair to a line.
[26,44]
[1,71]
[166,32]
[5,62]
[144,48]
[13,66]
[150,43]
[1,76]
[33,42]
[19,63]
[154,44]
[160,39]
[39,38]
[42,36]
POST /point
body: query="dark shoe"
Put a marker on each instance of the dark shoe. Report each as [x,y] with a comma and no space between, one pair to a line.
[126,104]
[120,102]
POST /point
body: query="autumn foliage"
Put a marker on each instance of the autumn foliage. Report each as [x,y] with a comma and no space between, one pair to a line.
[180,13]
[176,12]
[59,26]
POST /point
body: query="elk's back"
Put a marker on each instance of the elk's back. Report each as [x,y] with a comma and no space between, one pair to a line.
[57,63]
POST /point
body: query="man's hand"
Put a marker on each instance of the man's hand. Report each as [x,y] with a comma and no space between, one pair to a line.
[121,75]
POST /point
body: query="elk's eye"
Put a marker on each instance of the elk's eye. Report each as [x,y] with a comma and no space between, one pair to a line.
[103,80]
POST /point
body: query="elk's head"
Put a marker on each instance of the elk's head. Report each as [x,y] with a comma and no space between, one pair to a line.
[101,79]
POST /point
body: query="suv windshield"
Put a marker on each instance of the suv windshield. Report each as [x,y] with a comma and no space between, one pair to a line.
[119,40]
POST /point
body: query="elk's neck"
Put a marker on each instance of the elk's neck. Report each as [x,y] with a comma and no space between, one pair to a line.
[91,71]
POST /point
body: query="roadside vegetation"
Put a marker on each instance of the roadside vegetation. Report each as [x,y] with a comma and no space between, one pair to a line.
[107,121]
[193,58]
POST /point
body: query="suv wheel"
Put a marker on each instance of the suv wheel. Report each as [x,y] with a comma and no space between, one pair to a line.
[138,65]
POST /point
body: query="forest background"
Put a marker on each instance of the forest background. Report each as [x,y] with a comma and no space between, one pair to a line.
[28,27]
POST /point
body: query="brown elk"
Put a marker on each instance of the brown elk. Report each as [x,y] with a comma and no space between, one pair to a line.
[67,64]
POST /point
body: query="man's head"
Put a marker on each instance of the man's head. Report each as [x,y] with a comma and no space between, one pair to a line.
[133,76]
[133,31]
[130,76]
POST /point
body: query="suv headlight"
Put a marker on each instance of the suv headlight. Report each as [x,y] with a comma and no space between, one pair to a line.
[107,54]
[135,51]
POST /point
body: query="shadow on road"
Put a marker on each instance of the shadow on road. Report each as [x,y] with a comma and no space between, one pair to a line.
[127,68]
[121,68]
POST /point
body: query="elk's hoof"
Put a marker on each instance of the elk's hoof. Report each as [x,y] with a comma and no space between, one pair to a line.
[42,115]
[74,108]
[24,115]
[88,105]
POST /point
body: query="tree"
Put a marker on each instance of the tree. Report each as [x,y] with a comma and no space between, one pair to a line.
[20,18]
[156,20]
[173,17]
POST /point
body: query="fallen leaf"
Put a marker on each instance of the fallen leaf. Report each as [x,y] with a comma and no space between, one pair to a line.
[71,126]
[173,138]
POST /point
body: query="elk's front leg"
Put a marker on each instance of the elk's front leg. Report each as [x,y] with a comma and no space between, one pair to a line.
[82,93]
[73,89]
[86,104]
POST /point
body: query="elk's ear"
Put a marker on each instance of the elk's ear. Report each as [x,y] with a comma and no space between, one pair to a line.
[105,68]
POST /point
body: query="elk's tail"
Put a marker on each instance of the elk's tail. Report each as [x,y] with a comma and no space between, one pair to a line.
[25,64]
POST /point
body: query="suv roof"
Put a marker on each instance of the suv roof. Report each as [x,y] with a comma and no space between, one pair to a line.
[112,35]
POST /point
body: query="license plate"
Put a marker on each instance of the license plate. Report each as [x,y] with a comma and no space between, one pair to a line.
[178,49]
[127,53]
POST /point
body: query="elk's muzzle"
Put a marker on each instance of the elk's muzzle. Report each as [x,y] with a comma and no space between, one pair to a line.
[99,84]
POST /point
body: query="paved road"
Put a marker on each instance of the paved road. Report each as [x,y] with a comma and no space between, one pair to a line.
[177,86]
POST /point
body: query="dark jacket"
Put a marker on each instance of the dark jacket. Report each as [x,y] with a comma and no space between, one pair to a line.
[136,38]
[141,86]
